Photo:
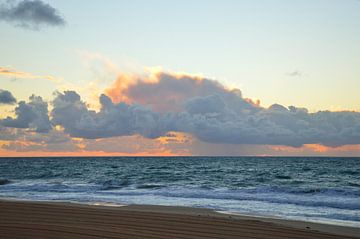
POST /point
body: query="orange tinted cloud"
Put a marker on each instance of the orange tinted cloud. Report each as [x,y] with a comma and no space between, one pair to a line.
[174,137]
[177,144]
[162,91]
[117,92]
[25,75]
[81,154]
[117,146]
[318,149]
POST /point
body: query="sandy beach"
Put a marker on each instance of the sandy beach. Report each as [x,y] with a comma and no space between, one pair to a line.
[19,219]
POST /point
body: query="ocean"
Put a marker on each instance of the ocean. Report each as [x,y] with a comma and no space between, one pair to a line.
[323,190]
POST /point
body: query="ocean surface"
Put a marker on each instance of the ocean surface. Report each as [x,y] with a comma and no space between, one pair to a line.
[312,189]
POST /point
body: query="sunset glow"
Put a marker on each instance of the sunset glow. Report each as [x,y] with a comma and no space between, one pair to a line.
[270,83]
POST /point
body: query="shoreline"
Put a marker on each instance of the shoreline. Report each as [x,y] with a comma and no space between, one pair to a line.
[58,214]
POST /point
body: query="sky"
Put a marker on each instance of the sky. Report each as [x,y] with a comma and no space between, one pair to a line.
[259,77]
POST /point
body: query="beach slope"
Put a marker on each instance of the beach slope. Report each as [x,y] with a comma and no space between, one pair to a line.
[64,220]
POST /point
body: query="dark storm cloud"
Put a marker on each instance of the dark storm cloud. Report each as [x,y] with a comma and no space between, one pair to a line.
[6,97]
[31,14]
[32,115]
[216,116]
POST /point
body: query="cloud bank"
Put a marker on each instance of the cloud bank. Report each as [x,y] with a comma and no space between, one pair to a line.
[205,109]
[31,14]
[196,106]
[6,97]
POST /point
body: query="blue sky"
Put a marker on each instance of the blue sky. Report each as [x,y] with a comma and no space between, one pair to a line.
[251,45]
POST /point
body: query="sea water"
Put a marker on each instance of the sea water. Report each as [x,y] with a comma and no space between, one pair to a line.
[311,189]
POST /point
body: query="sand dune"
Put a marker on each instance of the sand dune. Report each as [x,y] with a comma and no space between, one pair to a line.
[57,220]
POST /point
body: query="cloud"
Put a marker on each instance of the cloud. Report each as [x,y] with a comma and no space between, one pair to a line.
[274,126]
[25,75]
[295,74]
[31,14]
[167,104]
[112,120]
[32,115]
[164,92]
[53,141]
[8,134]
[6,97]
[204,109]
[127,144]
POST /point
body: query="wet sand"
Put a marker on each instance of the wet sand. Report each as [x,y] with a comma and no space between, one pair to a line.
[19,219]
